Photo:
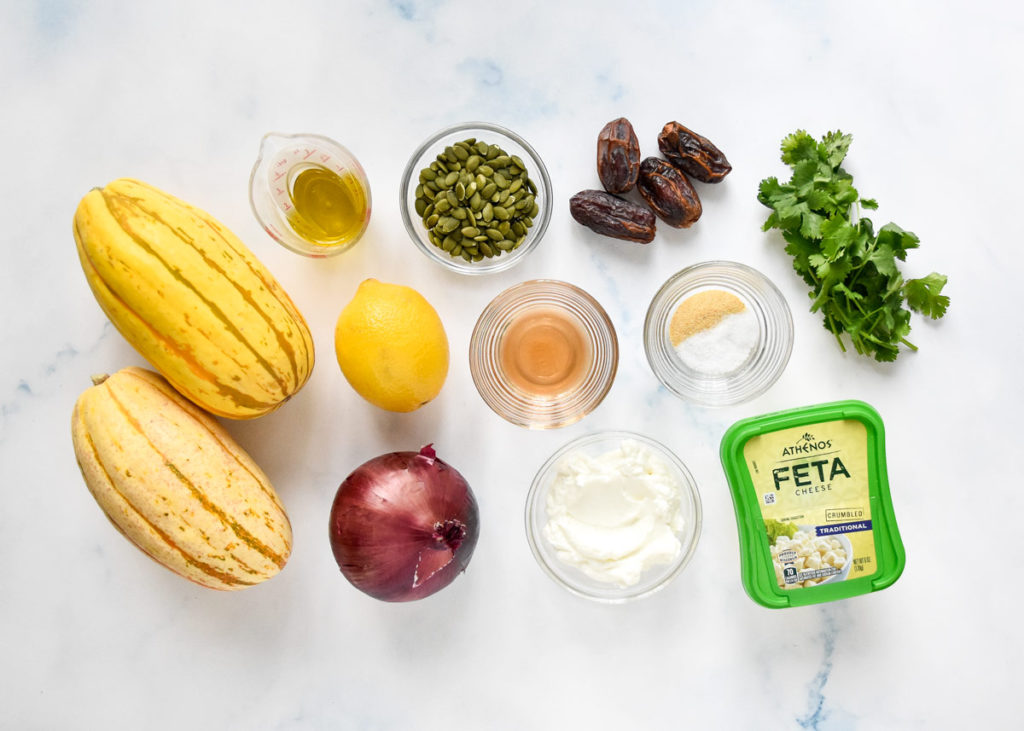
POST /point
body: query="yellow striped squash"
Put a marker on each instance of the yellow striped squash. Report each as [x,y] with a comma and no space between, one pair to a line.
[175,483]
[192,299]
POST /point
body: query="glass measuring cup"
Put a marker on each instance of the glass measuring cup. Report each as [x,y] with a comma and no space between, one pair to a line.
[309,193]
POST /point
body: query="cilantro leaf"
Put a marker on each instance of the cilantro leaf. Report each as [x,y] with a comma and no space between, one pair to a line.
[834,146]
[799,146]
[924,295]
[852,273]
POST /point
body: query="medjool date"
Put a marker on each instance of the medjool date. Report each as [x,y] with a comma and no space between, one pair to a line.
[693,154]
[668,193]
[618,156]
[610,215]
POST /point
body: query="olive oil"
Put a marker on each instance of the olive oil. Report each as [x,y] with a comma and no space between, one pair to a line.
[328,208]
[544,352]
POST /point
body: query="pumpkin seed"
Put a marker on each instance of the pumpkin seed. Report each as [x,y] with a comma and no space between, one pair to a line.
[475,200]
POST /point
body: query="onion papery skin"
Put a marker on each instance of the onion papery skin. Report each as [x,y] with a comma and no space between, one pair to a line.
[404,525]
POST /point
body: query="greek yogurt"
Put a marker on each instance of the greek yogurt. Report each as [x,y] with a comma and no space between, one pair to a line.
[616,515]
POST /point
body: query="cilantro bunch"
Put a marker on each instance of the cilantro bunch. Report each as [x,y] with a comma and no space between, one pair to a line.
[851,270]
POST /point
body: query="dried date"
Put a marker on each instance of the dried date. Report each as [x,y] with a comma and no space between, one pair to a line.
[618,156]
[669,193]
[609,215]
[693,154]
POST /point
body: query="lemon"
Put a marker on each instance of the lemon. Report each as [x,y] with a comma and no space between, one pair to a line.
[391,346]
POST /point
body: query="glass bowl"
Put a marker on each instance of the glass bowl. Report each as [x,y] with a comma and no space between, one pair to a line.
[574,579]
[768,356]
[512,144]
[543,404]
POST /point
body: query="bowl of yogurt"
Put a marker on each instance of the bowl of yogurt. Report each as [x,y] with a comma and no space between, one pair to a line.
[613,516]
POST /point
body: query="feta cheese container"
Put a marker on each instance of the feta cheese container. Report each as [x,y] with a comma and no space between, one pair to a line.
[813,510]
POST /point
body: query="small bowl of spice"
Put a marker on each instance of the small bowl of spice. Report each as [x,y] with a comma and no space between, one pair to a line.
[613,516]
[718,333]
[543,354]
[475,198]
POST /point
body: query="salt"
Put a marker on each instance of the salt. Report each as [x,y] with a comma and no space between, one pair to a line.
[722,348]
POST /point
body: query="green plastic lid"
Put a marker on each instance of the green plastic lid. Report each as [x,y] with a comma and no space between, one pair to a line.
[812,503]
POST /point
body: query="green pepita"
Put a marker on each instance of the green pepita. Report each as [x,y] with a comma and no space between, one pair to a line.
[475,200]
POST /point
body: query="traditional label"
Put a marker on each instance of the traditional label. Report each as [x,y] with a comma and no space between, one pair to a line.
[813,488]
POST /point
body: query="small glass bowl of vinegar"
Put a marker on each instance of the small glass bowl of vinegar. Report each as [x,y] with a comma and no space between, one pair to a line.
[309,193]
[543,354]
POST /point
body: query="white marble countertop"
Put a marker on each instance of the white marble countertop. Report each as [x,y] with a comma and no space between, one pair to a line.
[94,635]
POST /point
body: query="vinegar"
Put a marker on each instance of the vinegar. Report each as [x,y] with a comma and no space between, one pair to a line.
[544,352]
[328,208]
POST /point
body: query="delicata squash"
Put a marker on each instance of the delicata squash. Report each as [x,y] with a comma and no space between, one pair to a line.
[175,483]
[192,299]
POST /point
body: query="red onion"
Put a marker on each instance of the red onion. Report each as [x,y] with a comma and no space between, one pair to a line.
[404,525]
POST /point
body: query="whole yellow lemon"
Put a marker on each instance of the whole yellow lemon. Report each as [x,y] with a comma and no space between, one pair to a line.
[391,346]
